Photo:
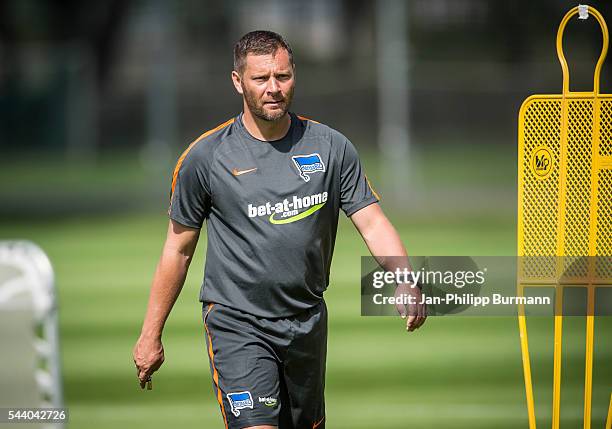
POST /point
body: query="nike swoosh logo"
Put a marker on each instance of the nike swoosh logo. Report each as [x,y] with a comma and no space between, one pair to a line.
[236,172]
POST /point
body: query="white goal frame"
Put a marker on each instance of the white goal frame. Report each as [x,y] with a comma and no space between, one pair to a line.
[36,278]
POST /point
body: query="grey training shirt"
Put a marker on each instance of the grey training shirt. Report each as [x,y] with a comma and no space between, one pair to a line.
[271,210]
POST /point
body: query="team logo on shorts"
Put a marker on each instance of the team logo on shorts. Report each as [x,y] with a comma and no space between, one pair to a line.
[308,164]
[239,401]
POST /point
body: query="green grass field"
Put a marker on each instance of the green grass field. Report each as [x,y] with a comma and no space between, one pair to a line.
[454,372]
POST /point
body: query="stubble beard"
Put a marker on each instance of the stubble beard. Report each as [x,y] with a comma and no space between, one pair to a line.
[260,112]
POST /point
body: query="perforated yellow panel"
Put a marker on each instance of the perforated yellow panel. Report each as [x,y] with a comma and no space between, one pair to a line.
[605,141]
[555,213]
[555,221]
[604,224]
[603,238]
[539,199]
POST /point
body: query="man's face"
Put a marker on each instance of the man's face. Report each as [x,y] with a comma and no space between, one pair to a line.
[266,84]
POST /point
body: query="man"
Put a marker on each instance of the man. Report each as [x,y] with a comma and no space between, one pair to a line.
[270,185]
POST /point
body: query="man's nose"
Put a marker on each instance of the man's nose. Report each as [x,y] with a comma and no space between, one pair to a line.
[273,85]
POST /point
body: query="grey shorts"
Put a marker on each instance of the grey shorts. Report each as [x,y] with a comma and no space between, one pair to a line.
[268,371]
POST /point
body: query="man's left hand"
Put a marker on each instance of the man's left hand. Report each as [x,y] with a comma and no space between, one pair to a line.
[416,312]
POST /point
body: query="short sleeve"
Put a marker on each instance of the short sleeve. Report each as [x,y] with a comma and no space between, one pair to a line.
[355,190]
[190,199]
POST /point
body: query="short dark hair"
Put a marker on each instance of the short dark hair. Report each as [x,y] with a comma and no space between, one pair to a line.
[259,42]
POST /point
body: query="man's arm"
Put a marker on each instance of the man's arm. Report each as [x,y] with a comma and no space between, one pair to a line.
[167,284]
[385,245]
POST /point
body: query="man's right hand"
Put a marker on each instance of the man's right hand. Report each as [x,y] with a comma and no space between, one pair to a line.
[148,356]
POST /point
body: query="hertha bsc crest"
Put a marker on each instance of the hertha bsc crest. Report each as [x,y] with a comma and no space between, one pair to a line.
[308,164]
[239,401]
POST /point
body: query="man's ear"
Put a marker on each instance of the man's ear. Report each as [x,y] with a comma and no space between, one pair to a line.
[237,81]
